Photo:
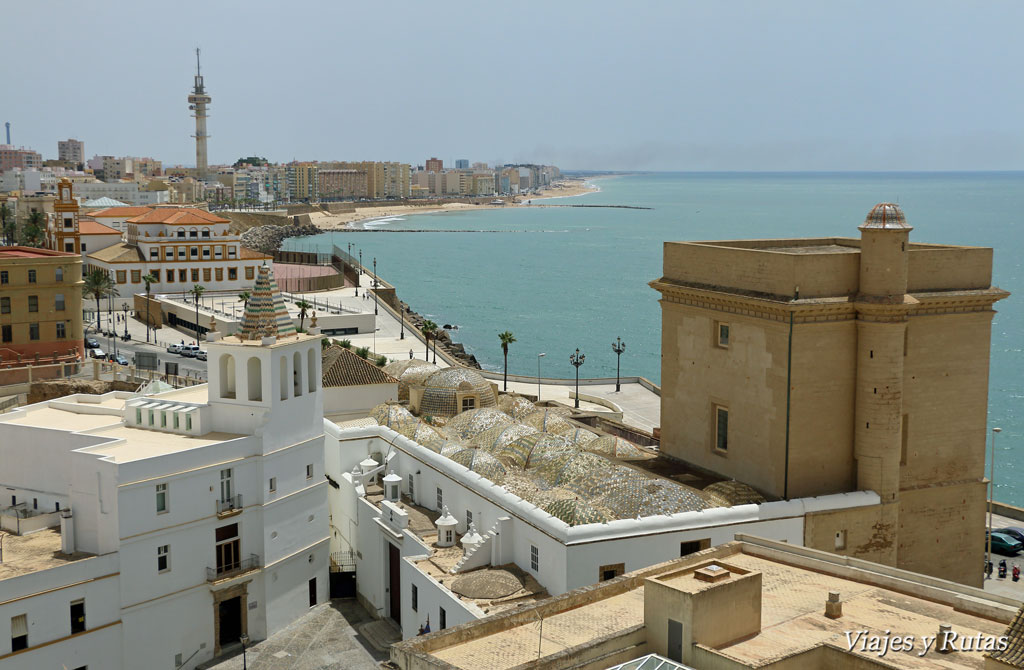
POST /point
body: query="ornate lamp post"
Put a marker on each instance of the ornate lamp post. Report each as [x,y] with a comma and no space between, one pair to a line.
[577,360]
[618,346]
[124,306]
[375,312]
[244,640]
[991,495]
[360,261]
[539,356]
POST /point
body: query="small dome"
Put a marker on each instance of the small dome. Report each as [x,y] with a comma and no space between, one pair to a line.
[471,423]
[516,406]
[422,434]
[480,462]
[886,215]
[412,374]
[391,415]
[548,421]
[576,512]
[732,492]
[500,435]
[441,388]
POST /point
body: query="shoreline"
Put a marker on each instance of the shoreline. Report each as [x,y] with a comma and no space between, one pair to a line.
[360,220]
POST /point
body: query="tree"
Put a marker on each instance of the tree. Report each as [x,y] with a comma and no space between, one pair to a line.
[149,280]
[243,298]
[35,231]
[99,285]
[7,225]
[506,338]
[304,308]
[428,329]
[197,293]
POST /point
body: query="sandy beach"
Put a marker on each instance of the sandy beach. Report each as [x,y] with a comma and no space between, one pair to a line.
[357,219]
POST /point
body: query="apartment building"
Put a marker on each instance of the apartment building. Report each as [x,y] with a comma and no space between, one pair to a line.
[20,157]
[71,152]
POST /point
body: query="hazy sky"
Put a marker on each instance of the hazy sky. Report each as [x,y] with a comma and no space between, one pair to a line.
[628,85]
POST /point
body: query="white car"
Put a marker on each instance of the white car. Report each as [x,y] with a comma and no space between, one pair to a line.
[189,350]
[97,353]
[174,349]
[201,355]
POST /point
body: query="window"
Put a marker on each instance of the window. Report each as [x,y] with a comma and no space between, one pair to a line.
[412,488]
[415,598]
[534,558]
[194,252]
[188,422]
[163,558]
[193,233]
[250,272]
[231,252]
[138,415]
[33,303]
[33,331]
[58,302]
[177,419]
[206,252]
[83,247]
[606,572]
[31,276]
[225,485]
[309,471]
[59,274]
[122,276]
[181,232]
[62,330]
[170,276]
[181,253]
[150,417]
[35,503]
[77,616]
[69,222]
[232,274]
[469,519]
[161,498]
[136,276]
[4,277]
[440,499]
[206,274]
[721,428]
[154,253]
[182,275]
[228,548]
[443,617]
[693,546]
[70,247]
[273,484]
[5,305]
[8,334]
[220,274]
[195,274]
[218,251]
[722,334]
[19,632]
[840,540]
[468,404]
[206,232]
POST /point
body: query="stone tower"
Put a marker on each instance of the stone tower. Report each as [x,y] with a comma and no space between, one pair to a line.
[197,102]
[65,235]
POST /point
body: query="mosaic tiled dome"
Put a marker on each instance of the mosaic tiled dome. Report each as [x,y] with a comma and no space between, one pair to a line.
[516,406]
[616,447]
[501,435]
[441,388]
[732,492]
[527,450]
[581,437]
[548,421]
[467,425]
[422,434]
[413,375]
[480,462]
[390,415]
[886,215]
[576,512]
[557,468]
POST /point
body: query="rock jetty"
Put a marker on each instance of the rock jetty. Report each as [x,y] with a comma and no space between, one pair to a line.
[268,238]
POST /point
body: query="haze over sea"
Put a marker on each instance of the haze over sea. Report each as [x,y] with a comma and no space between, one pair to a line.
[577,277]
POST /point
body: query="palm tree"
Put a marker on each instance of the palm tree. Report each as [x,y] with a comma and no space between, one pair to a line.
[304,308]
[506,338]
[428,329]
[99,285]
[149,280]
[197,293]
[7,224]
[243,298]
[35,232]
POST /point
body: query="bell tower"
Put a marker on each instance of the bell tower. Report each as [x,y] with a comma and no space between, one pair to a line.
[64,234]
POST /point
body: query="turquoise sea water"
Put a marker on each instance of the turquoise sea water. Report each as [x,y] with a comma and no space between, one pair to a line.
[562,278]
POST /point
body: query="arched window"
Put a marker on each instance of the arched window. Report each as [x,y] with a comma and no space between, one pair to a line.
[297,373]
[311,369]
[206,233]
[284,378]
[181,231]
[227,376]
[254,370]
[193,232]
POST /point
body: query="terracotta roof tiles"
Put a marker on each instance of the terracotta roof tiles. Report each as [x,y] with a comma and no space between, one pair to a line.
[90,227]
[343,368]
[183,216]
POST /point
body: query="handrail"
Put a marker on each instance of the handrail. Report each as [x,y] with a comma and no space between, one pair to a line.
[233,569]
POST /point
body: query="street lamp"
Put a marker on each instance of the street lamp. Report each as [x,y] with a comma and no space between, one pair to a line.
[577,360]
[124,306]
[539,356]
[618,346]
[244,640]
[991,495]
[360,261]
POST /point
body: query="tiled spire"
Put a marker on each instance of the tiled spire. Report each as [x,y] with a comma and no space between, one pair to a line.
[265,313]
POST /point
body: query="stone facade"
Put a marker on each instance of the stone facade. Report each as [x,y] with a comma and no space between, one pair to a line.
[818,366]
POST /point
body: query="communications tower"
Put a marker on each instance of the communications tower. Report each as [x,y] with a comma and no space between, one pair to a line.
[197,102]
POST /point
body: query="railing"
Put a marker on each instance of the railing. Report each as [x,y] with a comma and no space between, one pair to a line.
[343,561]
[233,569]
[228,504]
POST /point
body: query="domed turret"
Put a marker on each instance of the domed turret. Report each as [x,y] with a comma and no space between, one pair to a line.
[884,237]
[886,215]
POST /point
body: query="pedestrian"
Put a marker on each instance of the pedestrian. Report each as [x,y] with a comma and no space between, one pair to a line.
[410,354]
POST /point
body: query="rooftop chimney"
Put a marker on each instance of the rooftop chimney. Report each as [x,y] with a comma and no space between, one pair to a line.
[833,606]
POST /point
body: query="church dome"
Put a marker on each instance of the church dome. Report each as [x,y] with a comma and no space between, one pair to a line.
[441,389]
[886,215]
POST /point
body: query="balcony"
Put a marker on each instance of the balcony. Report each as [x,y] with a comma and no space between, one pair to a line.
[229,570]
[229,506]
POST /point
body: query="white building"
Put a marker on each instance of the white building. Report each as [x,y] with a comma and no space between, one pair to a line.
[181,247]
[404,570]
[125,191]
[187,518]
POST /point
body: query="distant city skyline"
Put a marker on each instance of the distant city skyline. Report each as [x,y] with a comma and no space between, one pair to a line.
[599,85]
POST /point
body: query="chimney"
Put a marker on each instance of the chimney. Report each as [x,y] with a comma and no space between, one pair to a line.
[942,644]
[67,531]
[833,606]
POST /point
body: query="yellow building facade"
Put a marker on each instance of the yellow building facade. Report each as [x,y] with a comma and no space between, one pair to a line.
[815,366]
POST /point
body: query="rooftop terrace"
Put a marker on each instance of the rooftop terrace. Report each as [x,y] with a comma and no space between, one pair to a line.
[23,554]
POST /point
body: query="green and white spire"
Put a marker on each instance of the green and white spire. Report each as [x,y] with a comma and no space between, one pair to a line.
[265,313]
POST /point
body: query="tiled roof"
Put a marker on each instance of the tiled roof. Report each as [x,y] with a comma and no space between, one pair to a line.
[183,216]
[120,212]
[265,313]
[248,254]
[344,368]
[118,253]
[90,227]
[104,202]
[1013,655]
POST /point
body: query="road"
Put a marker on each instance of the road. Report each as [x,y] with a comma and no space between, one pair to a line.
[187,367]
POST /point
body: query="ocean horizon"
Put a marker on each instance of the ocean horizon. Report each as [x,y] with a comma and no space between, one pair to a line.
[566,277]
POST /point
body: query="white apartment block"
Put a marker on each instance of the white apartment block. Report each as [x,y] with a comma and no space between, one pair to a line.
[408,560]
[153,531]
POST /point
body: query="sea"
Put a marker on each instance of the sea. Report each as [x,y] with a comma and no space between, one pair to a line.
[568,278]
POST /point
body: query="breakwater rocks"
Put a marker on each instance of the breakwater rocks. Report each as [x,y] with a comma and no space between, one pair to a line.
[268,238]
[444,341]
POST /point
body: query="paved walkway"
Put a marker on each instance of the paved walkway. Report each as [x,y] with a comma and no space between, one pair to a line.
[324,639]
[1006,587]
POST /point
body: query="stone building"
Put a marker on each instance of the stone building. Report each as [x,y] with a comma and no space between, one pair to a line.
[809,367]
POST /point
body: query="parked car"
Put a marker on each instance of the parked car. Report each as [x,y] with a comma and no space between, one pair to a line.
[201,355]
[1014,532]
[97,353]
[174,349]
[1004,544]
[91,343]
[117,358]
[189,350]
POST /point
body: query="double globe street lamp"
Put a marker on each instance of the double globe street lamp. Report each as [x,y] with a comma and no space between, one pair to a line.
[618,346]
[576,360]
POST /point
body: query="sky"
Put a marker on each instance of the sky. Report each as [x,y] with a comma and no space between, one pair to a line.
[625,85]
